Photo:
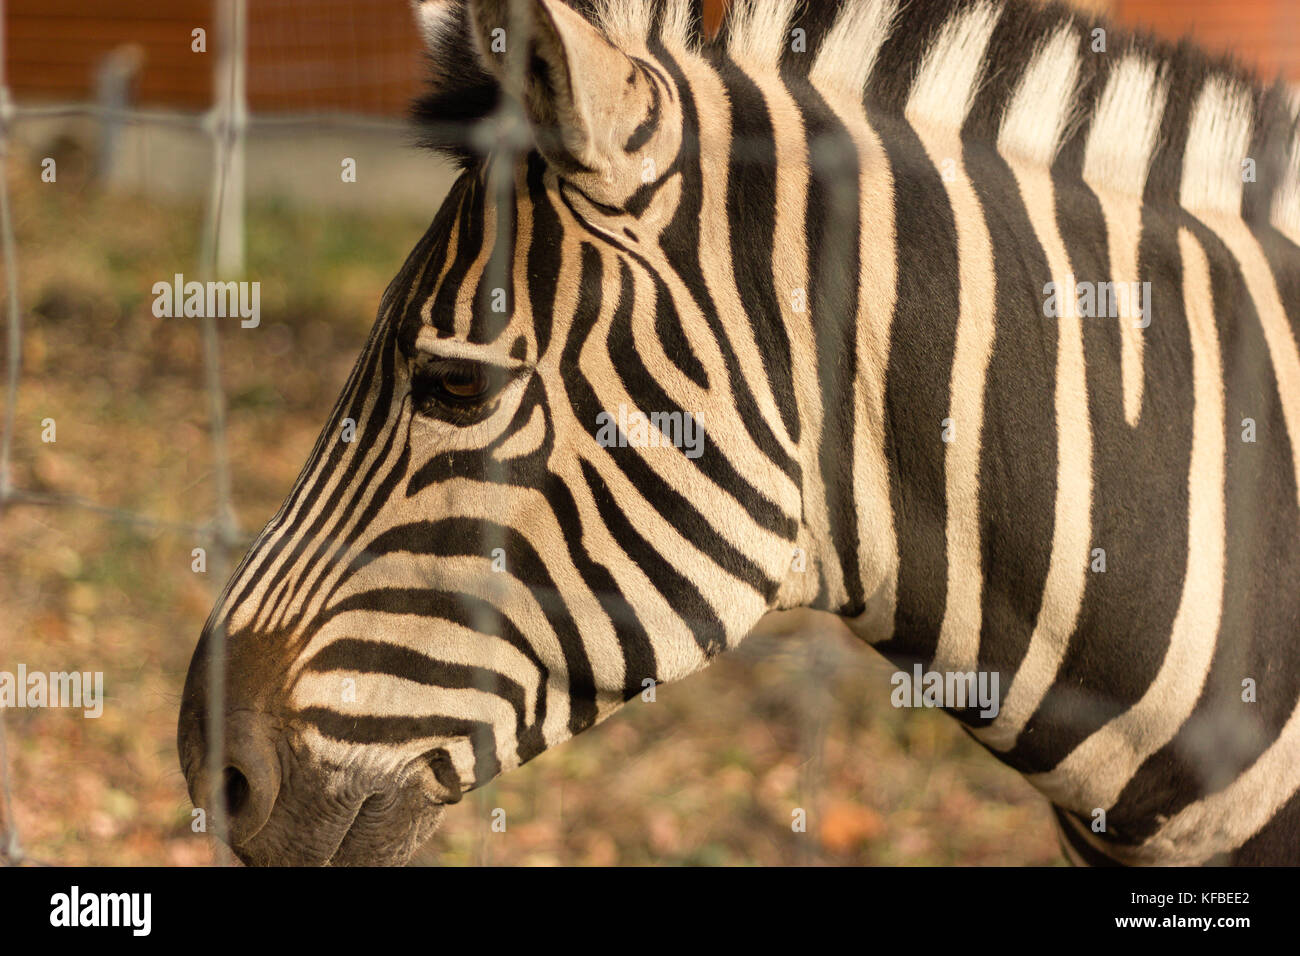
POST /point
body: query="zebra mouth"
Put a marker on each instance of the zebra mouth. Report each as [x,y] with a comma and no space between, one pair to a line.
[389,826]
[387,830]
[311,824]
[384,829]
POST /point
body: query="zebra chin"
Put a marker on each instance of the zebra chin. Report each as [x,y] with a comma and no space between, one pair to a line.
[385,829]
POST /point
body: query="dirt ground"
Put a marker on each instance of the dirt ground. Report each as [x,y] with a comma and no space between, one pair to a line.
[707,774]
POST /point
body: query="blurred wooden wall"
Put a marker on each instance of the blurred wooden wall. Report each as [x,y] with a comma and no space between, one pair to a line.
[52,47]
[1263,33]
[361,56]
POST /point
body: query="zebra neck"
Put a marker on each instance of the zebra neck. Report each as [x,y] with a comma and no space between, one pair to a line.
[873,299]
[892,360]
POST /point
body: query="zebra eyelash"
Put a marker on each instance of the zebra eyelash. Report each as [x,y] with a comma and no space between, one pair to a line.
[433,395]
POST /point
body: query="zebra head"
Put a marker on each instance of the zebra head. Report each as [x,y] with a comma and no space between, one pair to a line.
[546,485]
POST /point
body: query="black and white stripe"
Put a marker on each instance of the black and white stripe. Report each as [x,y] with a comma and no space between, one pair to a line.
[827,235]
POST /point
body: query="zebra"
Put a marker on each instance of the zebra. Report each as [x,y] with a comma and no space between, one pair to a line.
[877,251]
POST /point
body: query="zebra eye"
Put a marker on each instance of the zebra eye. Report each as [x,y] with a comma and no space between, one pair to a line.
[465,383]
[453,384]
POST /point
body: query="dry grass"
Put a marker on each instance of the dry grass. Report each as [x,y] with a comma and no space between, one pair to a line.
[708,774]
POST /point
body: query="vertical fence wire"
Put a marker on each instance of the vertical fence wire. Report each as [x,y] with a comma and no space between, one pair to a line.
[499,142]
[219,255]
[10,846]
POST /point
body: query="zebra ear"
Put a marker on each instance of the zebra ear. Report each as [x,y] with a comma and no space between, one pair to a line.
[584,98]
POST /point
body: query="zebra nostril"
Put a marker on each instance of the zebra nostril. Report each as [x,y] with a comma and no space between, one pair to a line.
[236,790]
[250,780]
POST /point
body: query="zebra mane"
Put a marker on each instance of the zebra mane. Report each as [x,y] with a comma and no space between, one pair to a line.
[1175,98]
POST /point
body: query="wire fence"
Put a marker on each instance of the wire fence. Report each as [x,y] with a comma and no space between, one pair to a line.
[810,666]
[225,125]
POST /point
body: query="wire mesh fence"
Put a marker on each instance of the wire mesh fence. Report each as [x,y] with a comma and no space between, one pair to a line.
[220,534]
[809,667]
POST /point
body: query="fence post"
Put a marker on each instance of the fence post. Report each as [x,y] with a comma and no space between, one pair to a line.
[222,257]
[230,122]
